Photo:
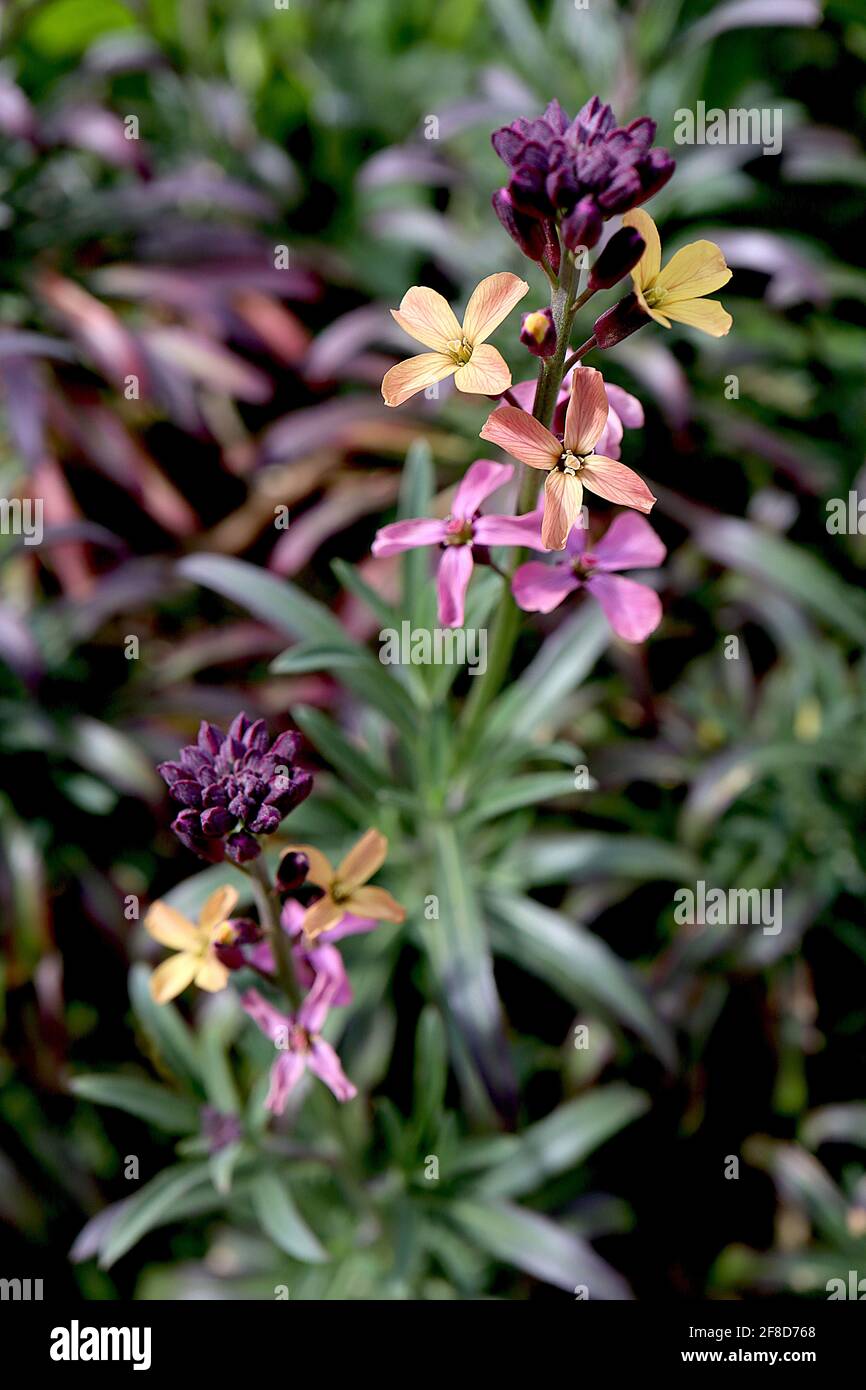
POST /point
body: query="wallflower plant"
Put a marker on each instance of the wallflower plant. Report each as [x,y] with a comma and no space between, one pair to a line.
[430,784]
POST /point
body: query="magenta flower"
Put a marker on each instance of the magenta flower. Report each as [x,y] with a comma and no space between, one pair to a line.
[319,960]
[460,533]
[301,1045]
[632,609]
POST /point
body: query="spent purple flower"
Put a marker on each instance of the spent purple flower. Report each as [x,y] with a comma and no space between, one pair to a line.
[234,787]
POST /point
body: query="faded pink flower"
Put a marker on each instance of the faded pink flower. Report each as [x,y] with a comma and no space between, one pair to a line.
[573,462]
[460,532]
[623,410]
[632,609]
[300,1042]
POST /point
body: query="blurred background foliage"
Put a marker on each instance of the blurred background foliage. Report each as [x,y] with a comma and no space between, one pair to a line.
[166,381]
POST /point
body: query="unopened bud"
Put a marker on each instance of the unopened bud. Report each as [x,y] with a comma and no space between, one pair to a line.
[291,871]
[538,333]
[582,226]
[621,255]
[620,322]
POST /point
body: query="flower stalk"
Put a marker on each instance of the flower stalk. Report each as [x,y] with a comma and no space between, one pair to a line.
[269,921]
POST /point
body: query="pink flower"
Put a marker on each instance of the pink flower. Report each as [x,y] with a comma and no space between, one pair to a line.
[300,1042]
[573,462]
[314,960]
[460,532]
[623,409]
[633,610]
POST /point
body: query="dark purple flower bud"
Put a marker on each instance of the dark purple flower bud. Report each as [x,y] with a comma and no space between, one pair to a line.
[266,820]
[654,172]
[216,821]
[528,179]
[622,192]
[538,333]
[528,232]
[620,322]
[308,893]
[621,255]
[187,828]
[642,132]
[229,955]
[292,870]
[556,117]
[242,847]
[210,739]
[582,227]
[219,1129]
[595,118]
[188,794]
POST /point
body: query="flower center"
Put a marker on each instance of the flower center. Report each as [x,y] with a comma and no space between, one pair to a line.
[652,297]
[458,531]
[461,350]
[570,463]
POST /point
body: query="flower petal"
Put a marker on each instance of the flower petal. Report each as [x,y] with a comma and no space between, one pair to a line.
[211,974]
[629,543]
[172,977]
[350,925]
[406,535]
[650,262]
[706,314]
[452,581]
[612,480]
[323,915]
[285,1075]
[696,270]
[539,588]
[522,436]
[627,407]
[587,410]
[363,861]
[414,375]
[492,301]
[218,907]
[428,317]
[485,374]
[633,610]
[324,1062]
[510,530]
[376,903]
[170,928]
[563,496]
[609,440]
[481,478]
[269,1020]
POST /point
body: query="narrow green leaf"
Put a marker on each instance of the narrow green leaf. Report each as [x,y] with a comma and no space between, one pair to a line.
[576,963]
[281,1221]
[416,490]
[144,1099]
[459,953]
[346,758]
[563,1139]
[529,790]
[538,1246]
[158,1202]
[173,1043]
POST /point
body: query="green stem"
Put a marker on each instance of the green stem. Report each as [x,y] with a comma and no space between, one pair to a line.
[269,920]
[506,623]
